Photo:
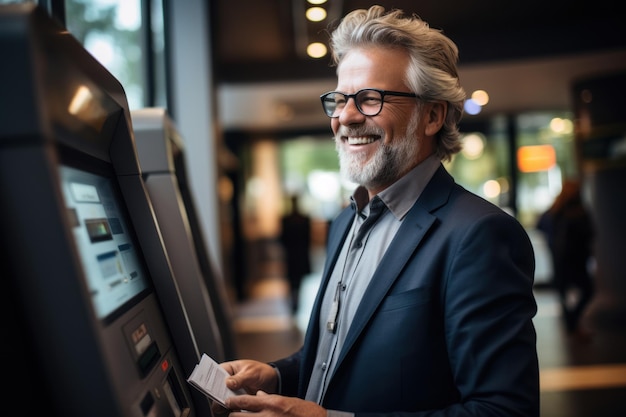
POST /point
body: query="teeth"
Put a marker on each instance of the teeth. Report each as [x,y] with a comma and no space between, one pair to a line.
[360,140]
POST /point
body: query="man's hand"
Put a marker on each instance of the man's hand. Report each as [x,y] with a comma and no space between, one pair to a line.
[251,375]
[271,405]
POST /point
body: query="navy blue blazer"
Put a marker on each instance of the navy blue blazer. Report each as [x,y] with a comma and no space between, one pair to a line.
[445,326]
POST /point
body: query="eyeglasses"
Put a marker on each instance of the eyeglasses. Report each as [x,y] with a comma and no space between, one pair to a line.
[369,101]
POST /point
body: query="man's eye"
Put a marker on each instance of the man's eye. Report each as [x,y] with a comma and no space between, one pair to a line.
[370,100]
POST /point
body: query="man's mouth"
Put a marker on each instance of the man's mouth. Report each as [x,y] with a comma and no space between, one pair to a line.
[361,140]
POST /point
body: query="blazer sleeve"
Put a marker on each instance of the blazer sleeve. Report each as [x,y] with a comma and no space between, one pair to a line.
[489,307]
[289,371]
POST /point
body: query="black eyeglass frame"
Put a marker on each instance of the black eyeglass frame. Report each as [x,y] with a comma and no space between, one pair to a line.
[347,97]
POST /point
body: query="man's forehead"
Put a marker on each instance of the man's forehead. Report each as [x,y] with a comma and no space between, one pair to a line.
[372,67]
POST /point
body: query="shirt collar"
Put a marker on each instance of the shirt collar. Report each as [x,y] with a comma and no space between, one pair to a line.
[400,196]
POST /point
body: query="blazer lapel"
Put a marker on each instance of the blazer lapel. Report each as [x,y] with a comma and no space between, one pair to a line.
[341,226]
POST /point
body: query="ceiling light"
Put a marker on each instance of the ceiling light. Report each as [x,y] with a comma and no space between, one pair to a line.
[473,146]
[316,14]
[471,107]
[491,189]
[561,126]
[316,50]
[317,1]
[480,97]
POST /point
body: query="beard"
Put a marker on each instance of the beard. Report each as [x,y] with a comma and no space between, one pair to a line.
[388,163]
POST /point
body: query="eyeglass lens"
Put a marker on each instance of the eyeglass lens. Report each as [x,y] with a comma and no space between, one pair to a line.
[368,102]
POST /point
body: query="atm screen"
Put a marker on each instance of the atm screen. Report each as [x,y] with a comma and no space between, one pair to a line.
[111,258]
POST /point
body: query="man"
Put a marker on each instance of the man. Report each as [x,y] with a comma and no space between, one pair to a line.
[429,312]
[569,231]
[295,236]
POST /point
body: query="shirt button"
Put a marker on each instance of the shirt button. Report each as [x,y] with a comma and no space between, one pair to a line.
[324,366]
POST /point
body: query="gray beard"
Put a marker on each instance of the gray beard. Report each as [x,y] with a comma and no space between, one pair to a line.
[388,163]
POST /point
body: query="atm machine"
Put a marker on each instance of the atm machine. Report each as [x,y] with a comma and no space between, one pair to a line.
[161,155]
[93,320]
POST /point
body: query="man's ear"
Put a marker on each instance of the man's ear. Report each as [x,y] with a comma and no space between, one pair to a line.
[435,115]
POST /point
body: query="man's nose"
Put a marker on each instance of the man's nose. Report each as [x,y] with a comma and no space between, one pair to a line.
[350,113]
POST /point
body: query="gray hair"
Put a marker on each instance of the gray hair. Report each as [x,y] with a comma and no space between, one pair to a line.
[432,72]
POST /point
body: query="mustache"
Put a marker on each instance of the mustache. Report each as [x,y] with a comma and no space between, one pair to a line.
[359,131]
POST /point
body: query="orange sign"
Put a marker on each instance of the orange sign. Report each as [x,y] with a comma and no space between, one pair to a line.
[535,158]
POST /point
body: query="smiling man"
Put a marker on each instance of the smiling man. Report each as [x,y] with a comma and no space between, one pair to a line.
[425,306]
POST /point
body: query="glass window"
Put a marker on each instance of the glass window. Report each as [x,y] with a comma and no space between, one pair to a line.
[483,165]
[157,37]
[545,156]
[16,1]
[310,169]
[111,31]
